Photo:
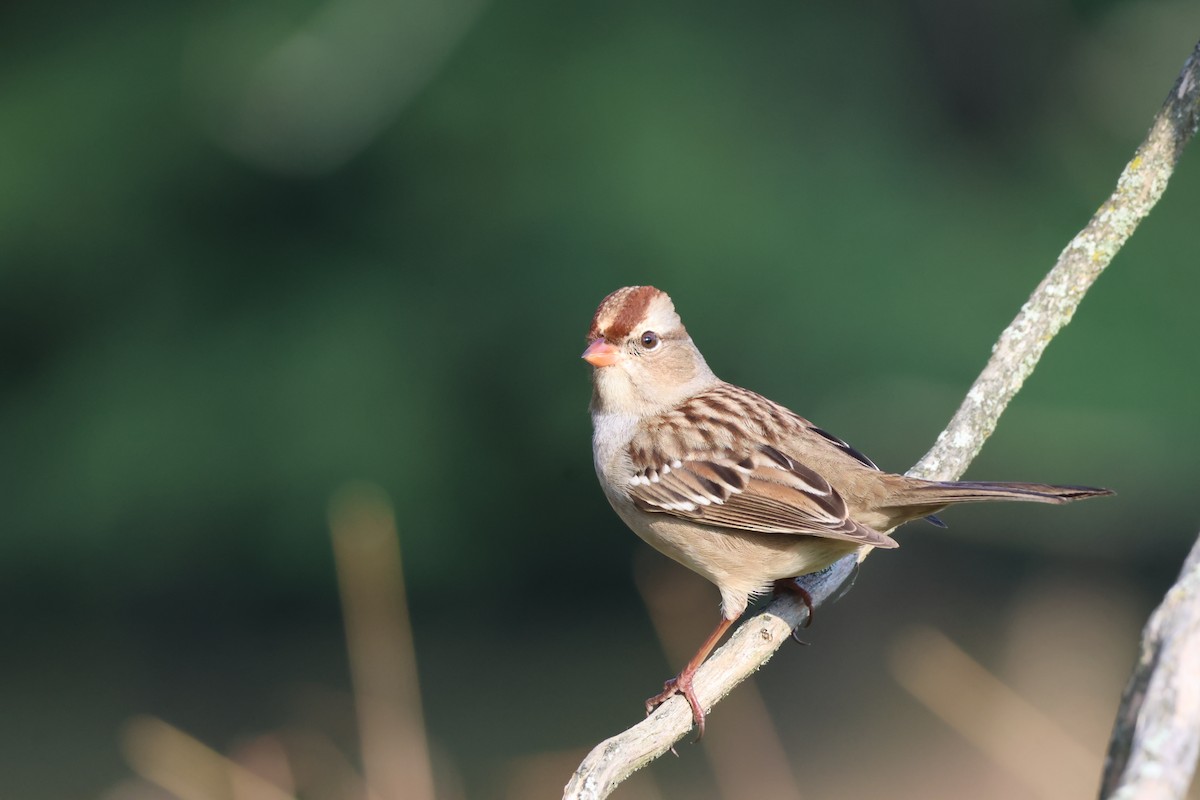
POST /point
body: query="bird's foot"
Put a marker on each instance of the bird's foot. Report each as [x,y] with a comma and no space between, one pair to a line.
[681,684]
[789,586]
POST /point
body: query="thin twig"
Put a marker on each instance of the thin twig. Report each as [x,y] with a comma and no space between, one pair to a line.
[1014,356]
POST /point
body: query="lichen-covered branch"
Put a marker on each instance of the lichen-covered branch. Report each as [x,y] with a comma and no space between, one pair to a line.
[1053,304]
[1014,356]
[1156,738]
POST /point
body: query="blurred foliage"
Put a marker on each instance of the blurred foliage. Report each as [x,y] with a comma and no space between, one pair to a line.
[249,251]
[198,346]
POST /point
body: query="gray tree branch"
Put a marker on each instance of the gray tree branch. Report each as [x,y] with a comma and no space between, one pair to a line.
[1014,357]
[1156,738]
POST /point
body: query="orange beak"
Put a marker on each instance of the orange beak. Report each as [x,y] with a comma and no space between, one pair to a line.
[601,354]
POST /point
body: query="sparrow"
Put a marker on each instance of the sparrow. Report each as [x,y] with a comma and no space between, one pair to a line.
[732,485]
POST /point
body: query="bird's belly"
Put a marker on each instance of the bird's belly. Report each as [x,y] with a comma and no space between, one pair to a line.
[741,563]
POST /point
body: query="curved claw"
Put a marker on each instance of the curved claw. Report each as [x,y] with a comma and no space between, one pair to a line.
[789,586]
[681,684]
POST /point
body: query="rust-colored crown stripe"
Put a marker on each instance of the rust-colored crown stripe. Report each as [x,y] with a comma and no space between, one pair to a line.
[620,312]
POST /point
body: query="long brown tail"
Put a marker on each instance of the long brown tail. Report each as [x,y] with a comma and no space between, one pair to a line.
[943,493]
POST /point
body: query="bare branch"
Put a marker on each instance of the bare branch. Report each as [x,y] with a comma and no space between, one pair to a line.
[1014,357]
[751,646]
[1156,738]
[1054,301]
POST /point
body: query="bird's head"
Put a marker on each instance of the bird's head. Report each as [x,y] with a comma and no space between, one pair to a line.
[644,360]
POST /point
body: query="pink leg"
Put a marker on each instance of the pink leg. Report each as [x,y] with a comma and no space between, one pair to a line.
[682,683]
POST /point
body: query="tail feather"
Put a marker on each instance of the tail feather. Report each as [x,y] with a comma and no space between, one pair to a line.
[941,493]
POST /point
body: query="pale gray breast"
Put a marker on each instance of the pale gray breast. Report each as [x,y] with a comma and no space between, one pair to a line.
[611,434]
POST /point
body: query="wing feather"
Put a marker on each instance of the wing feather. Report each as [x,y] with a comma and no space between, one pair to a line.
[766,491]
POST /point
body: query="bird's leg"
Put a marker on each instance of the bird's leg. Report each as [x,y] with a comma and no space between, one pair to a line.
[682,683]
[789,586]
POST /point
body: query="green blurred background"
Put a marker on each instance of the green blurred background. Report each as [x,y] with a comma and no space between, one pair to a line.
[250,251]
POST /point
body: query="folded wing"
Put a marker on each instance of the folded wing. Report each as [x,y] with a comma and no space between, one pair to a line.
[766,491]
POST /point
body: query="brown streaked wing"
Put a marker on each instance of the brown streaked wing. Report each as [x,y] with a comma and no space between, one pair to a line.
[765,492]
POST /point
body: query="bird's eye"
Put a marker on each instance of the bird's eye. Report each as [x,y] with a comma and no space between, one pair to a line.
[649,340]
